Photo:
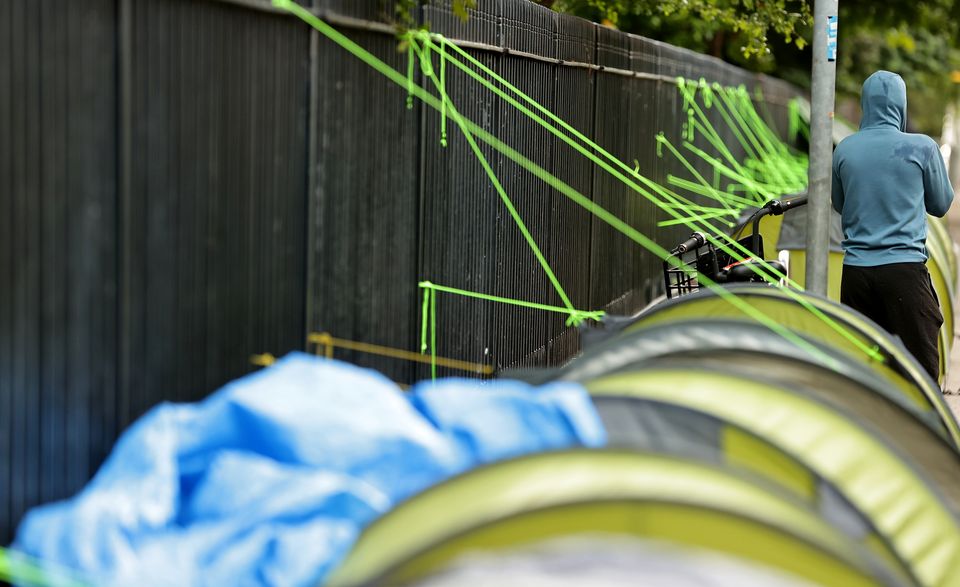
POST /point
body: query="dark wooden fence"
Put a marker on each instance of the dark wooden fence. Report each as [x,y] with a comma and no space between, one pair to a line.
[186,183]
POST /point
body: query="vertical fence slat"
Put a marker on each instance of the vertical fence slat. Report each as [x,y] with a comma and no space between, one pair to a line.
[365,225]
[7,343]
[571,236]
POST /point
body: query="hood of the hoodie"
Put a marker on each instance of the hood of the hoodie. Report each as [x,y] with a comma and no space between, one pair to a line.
[883,100]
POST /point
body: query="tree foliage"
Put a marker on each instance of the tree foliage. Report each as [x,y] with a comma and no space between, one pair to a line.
[746,23]
[404,9]
[919,39]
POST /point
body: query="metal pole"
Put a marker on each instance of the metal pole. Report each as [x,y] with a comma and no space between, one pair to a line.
[822,99]
[951,134]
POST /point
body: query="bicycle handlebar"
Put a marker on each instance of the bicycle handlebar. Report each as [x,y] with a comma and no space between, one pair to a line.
[778,207]
[696,240]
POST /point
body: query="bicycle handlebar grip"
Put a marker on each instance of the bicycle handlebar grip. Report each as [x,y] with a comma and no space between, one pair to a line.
[778,207]
[696,240]
[790,203]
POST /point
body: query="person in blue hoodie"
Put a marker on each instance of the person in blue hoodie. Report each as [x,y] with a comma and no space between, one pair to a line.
[885,182]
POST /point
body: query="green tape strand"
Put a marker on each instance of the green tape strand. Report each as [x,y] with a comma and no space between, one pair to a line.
[19,569]
[545,176]
[423,320]
[653,186]
[544,264]
[433,335]
[410,70]
[582,315]
[445,100]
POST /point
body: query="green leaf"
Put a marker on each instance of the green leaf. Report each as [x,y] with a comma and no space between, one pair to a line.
[460,8]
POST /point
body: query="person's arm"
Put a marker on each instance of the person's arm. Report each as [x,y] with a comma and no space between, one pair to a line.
[937,191]
[836,193]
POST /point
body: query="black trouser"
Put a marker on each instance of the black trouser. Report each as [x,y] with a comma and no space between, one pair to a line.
[900,298]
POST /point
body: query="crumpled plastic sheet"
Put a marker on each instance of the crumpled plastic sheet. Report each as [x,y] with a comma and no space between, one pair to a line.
[270,480]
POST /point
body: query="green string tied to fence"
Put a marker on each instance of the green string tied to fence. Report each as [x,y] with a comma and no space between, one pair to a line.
[495,181]
[410,70]
[762,265]
[687,90]
[428,316]
[502,83]
[444,100]
[433,335]
[425,37]
[770,167]
[545,176]
[650,245]
[707,93]
[427,291]
[17,569]
[714,238]
[575,317]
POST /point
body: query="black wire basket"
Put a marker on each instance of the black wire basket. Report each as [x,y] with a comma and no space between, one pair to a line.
[696,256]
[682,275]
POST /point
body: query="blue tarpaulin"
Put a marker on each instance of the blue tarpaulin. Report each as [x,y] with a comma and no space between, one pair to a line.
[270,480]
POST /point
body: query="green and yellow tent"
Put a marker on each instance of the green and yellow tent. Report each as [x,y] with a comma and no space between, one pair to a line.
[498,509]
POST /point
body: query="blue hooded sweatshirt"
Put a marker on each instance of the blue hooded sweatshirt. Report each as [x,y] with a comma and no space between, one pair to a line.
[885,180]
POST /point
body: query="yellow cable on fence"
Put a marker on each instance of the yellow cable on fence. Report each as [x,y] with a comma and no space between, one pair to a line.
[263,360]
[327,343]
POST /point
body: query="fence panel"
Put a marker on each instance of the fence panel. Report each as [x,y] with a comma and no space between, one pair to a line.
[572,225]
[521,336]
[365,209]
[185,183]
[462,210]
[214,214]
[58,281]
[615,263]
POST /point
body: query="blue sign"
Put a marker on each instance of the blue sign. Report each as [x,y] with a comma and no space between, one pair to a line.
[831,38]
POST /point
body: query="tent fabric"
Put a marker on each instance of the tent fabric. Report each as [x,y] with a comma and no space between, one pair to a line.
[944,284]
[621,493]
[750,345]
[929,458]
[939,232]
[793,231]
[781,306]
[748,350]
[944,334]
[662,428]
[796,260]
[943,274]
[758,544]
[899,366]
[929,453]
[940,249]
[271,479]
[945,288]
[911,515]
[600,561]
